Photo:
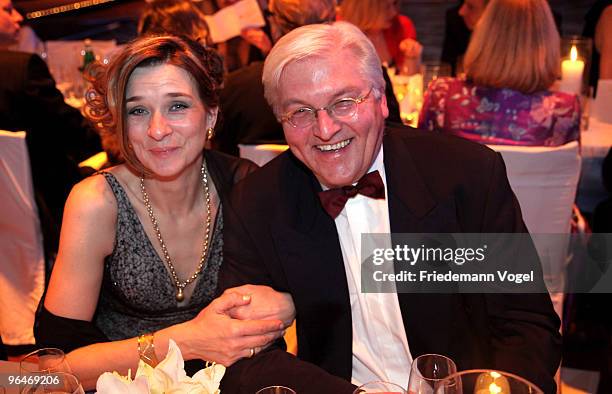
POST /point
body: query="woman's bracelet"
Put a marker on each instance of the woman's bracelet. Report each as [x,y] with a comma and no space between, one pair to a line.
[146,349]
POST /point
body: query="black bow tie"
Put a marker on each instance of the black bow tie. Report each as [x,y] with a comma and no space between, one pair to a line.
[334,200]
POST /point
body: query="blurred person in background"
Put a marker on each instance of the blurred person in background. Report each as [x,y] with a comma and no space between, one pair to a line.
[58,137]
[505,98]
[392,34]
[460,21]
[176,17]
[141,242]
[598,25]
[253,44]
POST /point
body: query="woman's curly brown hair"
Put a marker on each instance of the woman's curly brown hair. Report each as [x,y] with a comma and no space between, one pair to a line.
[105,101]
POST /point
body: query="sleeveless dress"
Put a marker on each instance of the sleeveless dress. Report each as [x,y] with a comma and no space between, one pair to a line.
[138,294]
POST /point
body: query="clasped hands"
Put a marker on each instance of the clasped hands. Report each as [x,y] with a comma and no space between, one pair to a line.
[240,323]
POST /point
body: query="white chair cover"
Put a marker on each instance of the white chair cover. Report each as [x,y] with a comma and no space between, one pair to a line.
[22,269]
[261,154]
[544,180]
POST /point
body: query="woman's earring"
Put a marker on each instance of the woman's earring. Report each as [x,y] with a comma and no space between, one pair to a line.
[210,132]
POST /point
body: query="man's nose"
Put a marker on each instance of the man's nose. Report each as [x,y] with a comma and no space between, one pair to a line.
[158,127]
[327,126]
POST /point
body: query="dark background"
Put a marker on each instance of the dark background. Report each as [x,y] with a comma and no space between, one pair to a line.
[118,20]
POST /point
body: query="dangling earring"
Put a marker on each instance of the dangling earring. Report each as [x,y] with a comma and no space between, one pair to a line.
[210,132]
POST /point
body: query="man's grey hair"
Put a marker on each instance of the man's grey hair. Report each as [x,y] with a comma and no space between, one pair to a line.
[321,41]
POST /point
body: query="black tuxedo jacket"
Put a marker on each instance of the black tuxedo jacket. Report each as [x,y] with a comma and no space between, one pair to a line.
[277,234]
[58,137]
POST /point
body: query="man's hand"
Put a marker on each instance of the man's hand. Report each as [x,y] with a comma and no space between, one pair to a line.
[411,48]
[258,38]
[215,336]
[266,303]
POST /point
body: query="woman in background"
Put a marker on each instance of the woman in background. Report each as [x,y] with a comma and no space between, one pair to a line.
[141,243]
[176,17]
[505,98]
[392,34]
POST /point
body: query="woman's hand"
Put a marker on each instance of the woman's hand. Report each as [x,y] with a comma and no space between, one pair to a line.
[410,48]
[266,303]
[257,38]
[213,335]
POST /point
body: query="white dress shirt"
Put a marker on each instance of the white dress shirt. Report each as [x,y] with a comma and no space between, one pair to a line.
[380,346]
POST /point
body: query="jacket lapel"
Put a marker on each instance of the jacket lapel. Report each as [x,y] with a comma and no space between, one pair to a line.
[309,251]
[413,209]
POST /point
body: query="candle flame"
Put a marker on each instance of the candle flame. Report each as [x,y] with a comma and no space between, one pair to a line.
[494,389]
[573,53]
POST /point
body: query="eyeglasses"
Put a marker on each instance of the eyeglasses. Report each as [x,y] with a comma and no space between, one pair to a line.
[340,110]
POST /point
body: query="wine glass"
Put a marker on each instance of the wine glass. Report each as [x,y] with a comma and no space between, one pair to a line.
[427,371]
[44,361]
[379,387]
[276,390]
[56,383]
[486,381]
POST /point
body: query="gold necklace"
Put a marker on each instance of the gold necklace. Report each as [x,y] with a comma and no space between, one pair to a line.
[180,285]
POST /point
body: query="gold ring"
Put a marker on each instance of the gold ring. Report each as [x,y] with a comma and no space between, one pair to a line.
[252,352]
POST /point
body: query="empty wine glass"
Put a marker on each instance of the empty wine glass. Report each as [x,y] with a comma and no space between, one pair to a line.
[379,387]
[56,383]
[46,360]
[427,371]
[485,381]
[276,390]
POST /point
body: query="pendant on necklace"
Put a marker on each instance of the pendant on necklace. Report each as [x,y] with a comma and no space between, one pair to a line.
[179,295]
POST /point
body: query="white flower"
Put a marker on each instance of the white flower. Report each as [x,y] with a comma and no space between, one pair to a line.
[168,377]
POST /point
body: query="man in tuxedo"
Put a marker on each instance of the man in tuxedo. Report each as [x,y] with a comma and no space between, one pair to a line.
[296,225]
[58,137]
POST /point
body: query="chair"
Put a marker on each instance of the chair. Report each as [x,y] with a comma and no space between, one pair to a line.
[22,265]
[261,154]
[544,180]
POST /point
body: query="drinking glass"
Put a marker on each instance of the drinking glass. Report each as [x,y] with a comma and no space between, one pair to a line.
[427,371]
[61,383]
[379,387]
[46,360]
[276,390]
[486,381]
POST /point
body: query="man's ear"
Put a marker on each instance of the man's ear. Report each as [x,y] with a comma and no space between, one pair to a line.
[383,105]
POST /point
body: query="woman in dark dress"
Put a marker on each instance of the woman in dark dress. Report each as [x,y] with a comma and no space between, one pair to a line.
[141,243]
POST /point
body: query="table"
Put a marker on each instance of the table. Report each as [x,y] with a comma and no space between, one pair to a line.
[595,143]
[6,368]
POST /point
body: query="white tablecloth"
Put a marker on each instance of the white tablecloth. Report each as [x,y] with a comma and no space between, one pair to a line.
[8,368]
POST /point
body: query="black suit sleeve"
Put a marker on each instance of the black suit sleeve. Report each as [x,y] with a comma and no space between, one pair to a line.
[74,137]
[524,328]
[243,264]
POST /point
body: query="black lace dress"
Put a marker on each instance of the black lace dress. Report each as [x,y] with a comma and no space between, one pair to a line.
[137,293]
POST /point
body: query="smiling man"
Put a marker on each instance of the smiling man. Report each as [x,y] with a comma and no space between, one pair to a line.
[296,225]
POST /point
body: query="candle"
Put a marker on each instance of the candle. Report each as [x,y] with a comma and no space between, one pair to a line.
[571,73]
[492,383]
